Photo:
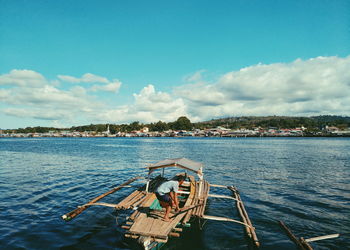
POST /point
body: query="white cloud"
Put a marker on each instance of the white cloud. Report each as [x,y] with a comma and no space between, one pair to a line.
[110,87]
[86,78]
[195,77]
[201,93]
[304,87]
[149,106]
[29,95]
[23,78]
[37,113]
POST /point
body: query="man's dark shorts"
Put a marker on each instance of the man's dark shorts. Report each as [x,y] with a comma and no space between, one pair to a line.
[164,198]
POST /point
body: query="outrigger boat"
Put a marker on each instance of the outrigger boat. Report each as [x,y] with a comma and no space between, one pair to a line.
[145,223]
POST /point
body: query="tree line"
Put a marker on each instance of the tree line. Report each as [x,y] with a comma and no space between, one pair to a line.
[183,123]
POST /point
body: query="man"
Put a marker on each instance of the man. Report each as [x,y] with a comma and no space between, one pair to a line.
[167,195]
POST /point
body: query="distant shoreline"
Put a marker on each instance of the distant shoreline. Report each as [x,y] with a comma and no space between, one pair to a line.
[248,136]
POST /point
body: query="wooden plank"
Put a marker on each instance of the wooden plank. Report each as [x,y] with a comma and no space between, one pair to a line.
[191,199]
[139,222]
[140,201]
[196,199]
[126,199]
[149,200]
[155,227]
[69,216]
[150,223]
[136,199]
[202,199]
[125,204]
[205,198]
[134,215]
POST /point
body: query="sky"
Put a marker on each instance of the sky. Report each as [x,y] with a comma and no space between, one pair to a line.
[67,63]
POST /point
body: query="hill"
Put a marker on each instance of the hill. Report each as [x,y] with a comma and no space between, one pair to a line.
[315,122]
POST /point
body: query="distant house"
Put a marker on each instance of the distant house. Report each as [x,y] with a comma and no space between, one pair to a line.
[331,129]
[145,130]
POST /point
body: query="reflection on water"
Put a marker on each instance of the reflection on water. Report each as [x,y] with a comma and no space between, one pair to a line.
[302,181]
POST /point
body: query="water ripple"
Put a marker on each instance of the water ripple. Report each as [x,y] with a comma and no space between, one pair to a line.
[302,181]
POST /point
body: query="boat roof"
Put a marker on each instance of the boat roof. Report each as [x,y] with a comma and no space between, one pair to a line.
[184,163]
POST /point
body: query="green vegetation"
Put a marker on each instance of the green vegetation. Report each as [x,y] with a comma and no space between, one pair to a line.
[314,123]
[249,122]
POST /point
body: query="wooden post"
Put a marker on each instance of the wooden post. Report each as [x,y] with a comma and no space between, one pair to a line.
[147,185]
[69,216]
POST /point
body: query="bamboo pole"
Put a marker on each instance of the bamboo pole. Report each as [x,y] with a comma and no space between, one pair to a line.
[131,196]
[219,186]
[137,203]
[173,234]
[186,209]
[69,216]
[324,237]
[297,241]
[134,215]
[247,229]
[305,244]
[244,215]
[209,217]
[101,204]
[133,200]
[221,196]
[252,229]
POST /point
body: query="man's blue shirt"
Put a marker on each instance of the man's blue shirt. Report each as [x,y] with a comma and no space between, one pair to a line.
[167,187]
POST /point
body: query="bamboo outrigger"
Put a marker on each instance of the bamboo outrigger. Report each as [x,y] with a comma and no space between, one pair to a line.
[302,243]
[145,223]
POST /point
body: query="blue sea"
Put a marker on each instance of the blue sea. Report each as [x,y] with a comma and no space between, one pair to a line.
[304,182]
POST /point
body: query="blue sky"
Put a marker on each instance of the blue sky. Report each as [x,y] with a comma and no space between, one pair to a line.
[157,60]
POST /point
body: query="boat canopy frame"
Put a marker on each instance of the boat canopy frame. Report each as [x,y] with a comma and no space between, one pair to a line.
[182,163]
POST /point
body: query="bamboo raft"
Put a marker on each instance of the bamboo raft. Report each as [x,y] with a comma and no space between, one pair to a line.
[145,223]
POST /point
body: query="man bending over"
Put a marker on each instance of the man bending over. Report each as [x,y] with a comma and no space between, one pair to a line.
[167,195]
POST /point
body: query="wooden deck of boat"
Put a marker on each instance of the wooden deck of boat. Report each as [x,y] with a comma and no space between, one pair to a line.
[147,222]
[151,224]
